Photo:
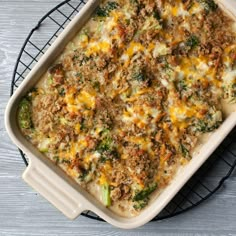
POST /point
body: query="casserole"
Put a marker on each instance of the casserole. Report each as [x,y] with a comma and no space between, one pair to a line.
[38,175]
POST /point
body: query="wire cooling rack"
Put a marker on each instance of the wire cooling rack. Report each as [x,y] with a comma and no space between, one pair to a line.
[199,188]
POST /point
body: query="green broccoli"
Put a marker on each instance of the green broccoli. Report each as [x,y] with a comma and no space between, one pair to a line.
[109,155]
[65,161]
[62,92]
[140,204]
[96,86]
[139,76]
[86,174]
[180,85]
[105,144]
[43,146]
[205,127]
[184,150]
[107,149]
[105,11]
[209,5]
[211,122]
[106,194]
[143,194]
[192,41]
[24,114]
[230,90]
[156,15]
[141,198]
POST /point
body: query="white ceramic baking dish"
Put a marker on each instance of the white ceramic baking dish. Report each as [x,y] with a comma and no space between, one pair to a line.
[59,189]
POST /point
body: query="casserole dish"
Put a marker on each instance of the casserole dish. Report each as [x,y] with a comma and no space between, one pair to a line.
[70,199]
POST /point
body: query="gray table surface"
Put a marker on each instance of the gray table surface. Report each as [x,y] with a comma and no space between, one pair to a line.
[24,212]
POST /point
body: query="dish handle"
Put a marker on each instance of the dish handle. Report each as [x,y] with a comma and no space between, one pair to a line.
[53,188]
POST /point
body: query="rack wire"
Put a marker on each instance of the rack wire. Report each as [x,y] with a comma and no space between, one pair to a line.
[199,188]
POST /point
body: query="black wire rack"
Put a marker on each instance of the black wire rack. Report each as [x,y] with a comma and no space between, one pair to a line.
[199,188]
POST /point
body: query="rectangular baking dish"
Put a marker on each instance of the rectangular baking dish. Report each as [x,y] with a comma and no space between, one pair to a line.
[59,189]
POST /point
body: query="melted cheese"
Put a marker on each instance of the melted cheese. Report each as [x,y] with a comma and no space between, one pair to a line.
[180,112]
[140,115]
[144,143]
[88,99]
[196,8]
[94,47]
[83,100]
[130,51]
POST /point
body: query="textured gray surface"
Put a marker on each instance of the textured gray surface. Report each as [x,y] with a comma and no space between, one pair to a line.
[24,212]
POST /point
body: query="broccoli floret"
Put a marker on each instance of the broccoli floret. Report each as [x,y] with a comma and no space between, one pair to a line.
[212,122]
[87,172]
[105,144]
[83,124]
[209,5]
[156,15]
[62,92]
[85,175]
[184,150]
[106,194]
[105,11]
[65,161]
[139,76]
[180,85]
[24,114]
[140,204]
[230,90]
[43,146]
[204,127]
[111,6]
[141,198]
[106,147]
[101,12]
[106,141]
[192,41]
[143,194]
[50,80]
[232,93]
[96,86]
[110,155]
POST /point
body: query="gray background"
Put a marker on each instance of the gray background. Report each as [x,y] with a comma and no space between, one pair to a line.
[24,212]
